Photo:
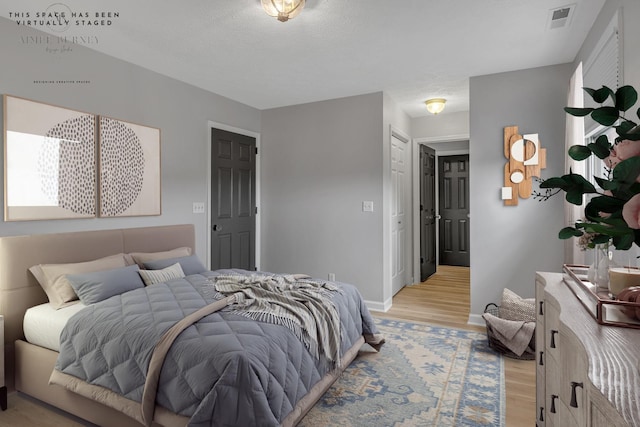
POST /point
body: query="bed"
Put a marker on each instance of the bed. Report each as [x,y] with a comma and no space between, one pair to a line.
[30,363]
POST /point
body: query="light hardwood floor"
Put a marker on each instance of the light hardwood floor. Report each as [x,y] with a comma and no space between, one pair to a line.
[443,299]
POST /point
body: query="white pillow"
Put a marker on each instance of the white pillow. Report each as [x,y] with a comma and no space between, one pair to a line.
[514,307]
[151,277]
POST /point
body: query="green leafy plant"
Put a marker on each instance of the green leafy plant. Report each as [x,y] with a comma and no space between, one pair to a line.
[612,214]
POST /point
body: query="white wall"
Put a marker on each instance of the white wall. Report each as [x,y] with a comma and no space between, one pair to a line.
[122,90]
[510,243]
[320,161]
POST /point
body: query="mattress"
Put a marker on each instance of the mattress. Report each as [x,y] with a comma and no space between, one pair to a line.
[42,324]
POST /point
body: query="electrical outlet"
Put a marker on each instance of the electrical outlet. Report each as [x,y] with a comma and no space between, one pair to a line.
[367,206]
[332,277]
[198,207]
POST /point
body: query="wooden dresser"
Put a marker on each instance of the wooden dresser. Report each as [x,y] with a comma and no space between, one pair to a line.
[587,374]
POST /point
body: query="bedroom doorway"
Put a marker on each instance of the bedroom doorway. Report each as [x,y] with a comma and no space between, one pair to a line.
[453,205]
[448,149]
[428,261]
[233,200]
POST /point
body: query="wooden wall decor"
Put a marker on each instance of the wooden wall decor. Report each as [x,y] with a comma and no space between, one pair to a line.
[525,160]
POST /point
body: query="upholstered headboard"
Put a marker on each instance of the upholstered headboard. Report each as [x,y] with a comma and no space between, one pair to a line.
[19,290]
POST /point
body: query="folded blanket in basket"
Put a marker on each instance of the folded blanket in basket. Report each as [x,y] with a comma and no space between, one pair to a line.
[514,334]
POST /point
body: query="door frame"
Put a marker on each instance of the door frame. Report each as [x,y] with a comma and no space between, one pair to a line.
[216,125]
[416,189]
[407,278]
[428,151]
[387,296]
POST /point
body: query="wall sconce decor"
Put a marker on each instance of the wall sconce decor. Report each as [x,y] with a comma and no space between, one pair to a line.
[525,160]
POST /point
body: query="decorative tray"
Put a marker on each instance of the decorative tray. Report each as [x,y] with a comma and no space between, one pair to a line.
[600,304]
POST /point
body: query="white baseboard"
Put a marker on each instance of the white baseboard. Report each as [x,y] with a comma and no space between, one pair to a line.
[378,306]
[476,319]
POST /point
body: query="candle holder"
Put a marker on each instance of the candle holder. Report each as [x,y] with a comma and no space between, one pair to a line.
[621,278]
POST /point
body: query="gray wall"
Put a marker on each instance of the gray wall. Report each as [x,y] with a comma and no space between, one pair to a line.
[444,124]
[122,90]
[320,161]
[630,35]
[510,243]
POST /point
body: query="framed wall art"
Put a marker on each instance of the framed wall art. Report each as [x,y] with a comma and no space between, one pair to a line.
[49,161]
[129,169]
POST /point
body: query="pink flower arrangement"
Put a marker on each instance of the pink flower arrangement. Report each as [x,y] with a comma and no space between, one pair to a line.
[622,151]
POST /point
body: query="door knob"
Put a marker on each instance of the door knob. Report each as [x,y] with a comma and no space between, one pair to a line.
[216,227]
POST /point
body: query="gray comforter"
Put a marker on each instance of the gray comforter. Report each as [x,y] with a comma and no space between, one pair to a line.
[225,370]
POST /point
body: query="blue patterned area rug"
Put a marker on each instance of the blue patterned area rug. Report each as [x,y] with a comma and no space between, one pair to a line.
[424,375]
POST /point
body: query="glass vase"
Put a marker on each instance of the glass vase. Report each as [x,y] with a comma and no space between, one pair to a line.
[598,273]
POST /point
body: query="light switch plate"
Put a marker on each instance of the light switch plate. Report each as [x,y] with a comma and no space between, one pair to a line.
[367,206]
[198,207]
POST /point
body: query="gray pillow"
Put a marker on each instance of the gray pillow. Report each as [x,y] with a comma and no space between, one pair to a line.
[100,285]
[190,264]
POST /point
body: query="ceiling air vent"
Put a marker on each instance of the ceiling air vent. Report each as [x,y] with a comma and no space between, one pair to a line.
[560,17]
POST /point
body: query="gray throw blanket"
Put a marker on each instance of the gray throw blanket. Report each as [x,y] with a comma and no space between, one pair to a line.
[295,301]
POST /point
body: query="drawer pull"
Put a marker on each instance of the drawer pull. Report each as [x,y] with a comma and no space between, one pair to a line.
[553,338]
[541,418]
[553,403]
[541,311]
[541,361]
[574,400]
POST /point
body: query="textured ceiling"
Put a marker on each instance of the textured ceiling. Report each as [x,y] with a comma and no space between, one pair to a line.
[411,49]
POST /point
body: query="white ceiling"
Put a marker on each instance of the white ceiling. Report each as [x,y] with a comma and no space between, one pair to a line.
[411,49]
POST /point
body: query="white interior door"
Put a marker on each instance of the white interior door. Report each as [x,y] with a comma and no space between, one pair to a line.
[398,213]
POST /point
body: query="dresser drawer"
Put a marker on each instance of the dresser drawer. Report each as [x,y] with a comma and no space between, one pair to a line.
[574,349]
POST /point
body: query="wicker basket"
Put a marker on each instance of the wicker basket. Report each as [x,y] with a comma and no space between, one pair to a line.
[495,343]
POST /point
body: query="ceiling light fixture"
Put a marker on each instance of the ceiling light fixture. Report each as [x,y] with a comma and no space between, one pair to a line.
[435,105]
[283,9]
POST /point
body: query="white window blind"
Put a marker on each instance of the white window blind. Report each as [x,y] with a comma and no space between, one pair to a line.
[602,68]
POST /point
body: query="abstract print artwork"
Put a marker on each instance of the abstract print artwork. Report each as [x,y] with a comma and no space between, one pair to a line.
[49,163]
[129,171]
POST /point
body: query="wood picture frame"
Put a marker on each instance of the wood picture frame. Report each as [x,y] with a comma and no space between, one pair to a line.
[49,161]
[129,175]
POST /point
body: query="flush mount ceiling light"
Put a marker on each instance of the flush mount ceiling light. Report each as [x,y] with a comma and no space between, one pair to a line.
[283,9]
[435,105]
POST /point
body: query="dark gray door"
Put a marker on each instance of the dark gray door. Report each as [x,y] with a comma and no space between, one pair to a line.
[454,209]
[427,212]
[233,205]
